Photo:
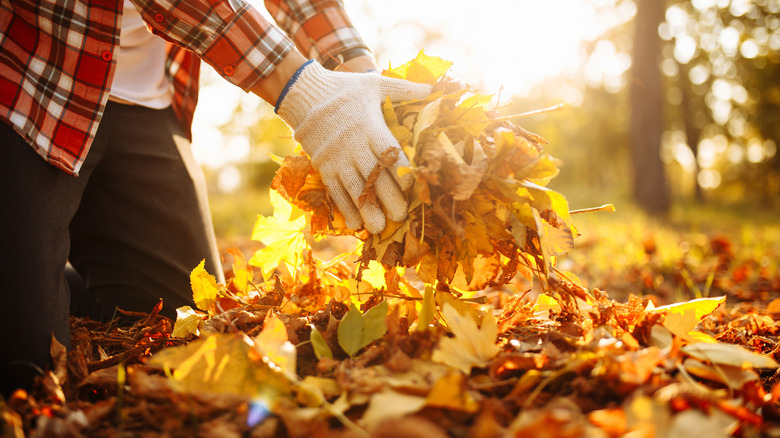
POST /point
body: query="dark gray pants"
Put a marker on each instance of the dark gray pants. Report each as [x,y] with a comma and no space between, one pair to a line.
[133,224]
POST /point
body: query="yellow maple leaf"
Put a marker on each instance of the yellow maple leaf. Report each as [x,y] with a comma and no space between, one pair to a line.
[472,346]
[422,69]
[204,286]
[283,235]
[682,318]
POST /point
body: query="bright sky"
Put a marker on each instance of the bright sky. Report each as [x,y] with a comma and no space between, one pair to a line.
[514,44]
[493,43]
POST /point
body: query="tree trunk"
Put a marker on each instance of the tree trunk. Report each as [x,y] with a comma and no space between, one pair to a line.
[651,191]
[692,131]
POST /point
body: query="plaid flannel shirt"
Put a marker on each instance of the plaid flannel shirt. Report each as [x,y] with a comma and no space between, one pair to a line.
[57,57]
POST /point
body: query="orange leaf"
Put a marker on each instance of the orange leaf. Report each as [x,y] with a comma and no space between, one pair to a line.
[291,176]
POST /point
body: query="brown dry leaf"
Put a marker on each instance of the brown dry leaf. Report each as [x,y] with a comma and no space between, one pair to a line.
[387,159]
[387,245]
[462,179]
[409,427]
[414,250]
[427,268]
[427,117]
[693,422]
[59,355]
[729,354]
[734,377]
[637,367]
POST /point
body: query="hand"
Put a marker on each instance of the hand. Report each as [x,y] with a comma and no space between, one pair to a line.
[337,118]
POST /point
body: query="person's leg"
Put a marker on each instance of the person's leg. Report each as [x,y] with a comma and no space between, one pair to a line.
[144,222]
[37,202]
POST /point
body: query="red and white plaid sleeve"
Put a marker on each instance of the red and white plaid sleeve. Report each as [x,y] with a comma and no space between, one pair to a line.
[320,29]
[230,35]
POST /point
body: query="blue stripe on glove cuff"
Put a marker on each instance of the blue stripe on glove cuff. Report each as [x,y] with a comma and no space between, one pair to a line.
[290,83]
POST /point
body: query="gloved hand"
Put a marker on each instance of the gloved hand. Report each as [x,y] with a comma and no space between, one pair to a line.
[337,119]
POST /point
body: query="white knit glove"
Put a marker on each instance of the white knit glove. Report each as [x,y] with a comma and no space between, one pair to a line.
[337,119]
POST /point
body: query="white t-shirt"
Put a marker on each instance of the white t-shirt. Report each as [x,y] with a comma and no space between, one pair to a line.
[140,64]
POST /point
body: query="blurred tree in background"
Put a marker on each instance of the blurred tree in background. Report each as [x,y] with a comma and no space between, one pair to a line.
[646,123]
[722,59]
[721,93]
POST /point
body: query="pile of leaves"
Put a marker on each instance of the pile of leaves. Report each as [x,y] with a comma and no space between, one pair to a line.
[420,331]
[479,210]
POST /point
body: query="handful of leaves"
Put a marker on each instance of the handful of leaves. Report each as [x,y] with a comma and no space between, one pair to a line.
[479,211]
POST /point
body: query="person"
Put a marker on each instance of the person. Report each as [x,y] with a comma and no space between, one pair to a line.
[97,101]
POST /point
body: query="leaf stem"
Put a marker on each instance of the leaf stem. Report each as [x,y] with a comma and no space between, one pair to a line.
[606,207]
[422,228]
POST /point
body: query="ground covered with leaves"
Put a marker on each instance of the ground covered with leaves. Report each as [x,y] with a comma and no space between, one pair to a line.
[486,313]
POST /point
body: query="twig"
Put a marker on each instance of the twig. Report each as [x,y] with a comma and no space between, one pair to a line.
[498,98]
[557,107]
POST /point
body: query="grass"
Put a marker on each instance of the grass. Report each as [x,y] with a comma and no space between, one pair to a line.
[234,214]
[696,251]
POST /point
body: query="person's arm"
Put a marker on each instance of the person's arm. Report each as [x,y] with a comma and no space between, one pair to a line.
[271,87]
[336,116]
[321,30]
[231,36]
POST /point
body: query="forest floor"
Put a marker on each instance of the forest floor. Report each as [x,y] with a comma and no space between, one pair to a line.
[616,365]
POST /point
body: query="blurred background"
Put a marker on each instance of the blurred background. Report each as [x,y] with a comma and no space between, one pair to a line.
[672,112]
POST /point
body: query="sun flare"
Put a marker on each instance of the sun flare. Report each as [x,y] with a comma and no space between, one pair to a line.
[494,44]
